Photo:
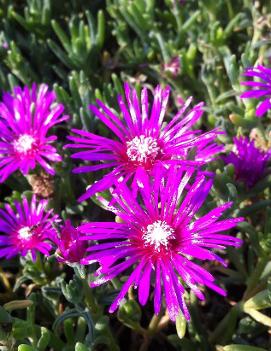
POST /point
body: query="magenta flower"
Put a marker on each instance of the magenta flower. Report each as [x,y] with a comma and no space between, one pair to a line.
[144,140]
[173,66]
[25,119]
[69,247]
[5,45]
[260,88]
[27,229]
[159,237]
[249,162]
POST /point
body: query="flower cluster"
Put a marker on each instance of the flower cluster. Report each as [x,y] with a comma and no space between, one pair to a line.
[157,188]
[29,228]
[157,182]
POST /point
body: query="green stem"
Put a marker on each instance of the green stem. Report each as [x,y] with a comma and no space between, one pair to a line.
[177,16]
[90,300]
[225,328]
[145,345]
[39,263]
[200,332]
[152,328]
[148,334]
[230,9]
[255,277]
[5,280]
[116,284]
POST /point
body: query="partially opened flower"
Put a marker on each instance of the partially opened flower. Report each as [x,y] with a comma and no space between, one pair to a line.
[250,163]
[173,66]
[159,238]
[27,229]
[26,117]
[260,88]
[69,247]
[143,139]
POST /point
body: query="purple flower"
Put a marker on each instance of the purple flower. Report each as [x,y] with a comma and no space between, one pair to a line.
[259,88]
[249,161]
[159,237]
[173,66]
[69,247]
[143,139]
[26,229]
[5,45]
[26,116]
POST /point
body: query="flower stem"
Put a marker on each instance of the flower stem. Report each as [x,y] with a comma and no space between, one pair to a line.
[152,328]
[5,279]
[116,284]
[144,346]
[163,322]
[155,326]
[255,277]
[90,300]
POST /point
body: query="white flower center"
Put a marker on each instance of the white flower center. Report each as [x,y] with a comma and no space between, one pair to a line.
[158,234]
[142,148]
[25,233]
[23,144]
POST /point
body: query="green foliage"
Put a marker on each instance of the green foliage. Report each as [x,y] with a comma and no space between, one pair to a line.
[130,314]
[83,45]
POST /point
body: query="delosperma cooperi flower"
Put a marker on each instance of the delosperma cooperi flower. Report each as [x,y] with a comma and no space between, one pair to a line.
[69,247]
[27,229]
[143,139]
[260,88]
[158,238]
[173,66]
[249,162]
[26,116]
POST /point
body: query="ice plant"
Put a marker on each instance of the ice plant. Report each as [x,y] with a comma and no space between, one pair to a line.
[69,247]
[143,139]
[26,116]
[26,229]
[249,162]
[158,238]
[260,88]
[173,66]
